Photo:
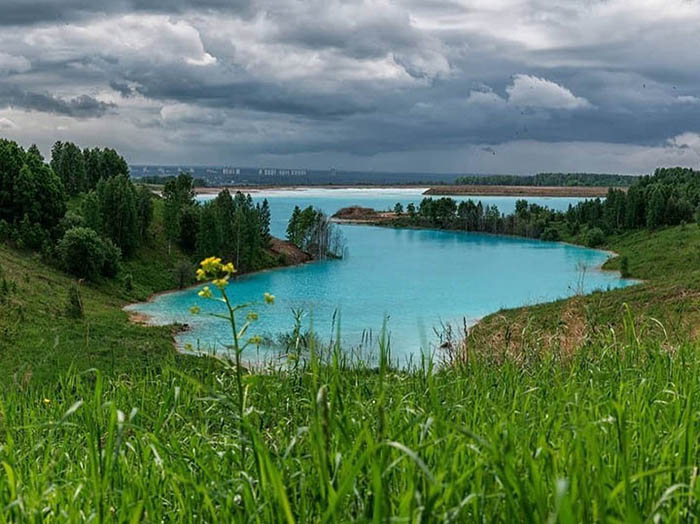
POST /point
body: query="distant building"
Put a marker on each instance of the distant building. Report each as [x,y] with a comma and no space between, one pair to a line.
[269,171]
[231,171]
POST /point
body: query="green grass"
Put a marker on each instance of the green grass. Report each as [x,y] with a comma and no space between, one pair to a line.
[611,435]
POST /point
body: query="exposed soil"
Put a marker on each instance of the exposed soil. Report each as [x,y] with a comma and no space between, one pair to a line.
[292,254]
[361,215]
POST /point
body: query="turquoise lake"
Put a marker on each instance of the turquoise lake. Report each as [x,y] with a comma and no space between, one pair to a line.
[417,279]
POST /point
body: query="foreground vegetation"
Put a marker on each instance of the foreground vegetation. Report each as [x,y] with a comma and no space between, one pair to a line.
[609,434]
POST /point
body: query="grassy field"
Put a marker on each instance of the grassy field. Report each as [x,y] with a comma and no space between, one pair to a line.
[578,410]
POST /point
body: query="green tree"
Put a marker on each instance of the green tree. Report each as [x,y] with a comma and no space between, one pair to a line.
[144,209]
[83,253]
[120,223]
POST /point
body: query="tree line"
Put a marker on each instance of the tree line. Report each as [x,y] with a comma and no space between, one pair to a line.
[671,196]
[231,227]
[550,179]
[108,216]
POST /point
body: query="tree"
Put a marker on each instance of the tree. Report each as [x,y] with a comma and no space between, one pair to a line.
[656,209]
[68,163]
[189,228]
[83,253]
[144,209]
[120,222]
[398,208]
[264,214]
[178,193]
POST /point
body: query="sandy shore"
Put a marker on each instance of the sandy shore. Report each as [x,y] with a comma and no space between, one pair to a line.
[440,190]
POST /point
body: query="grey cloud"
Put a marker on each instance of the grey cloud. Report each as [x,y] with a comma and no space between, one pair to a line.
[82,106]
[21,12]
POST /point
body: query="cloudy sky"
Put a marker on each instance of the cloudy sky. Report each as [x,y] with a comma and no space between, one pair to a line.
[491,86]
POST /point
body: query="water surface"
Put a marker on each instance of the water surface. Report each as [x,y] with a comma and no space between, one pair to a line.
[417,279]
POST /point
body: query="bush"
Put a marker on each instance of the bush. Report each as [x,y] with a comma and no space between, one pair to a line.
[550,233]
[184,273]
[83,253]
[31,235]
[594,237]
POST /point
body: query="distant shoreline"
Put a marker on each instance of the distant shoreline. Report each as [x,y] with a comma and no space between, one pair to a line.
[440,190]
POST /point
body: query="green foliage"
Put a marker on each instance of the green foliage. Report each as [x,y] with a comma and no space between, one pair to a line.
[184,273]
[178,194]
[84,254]
[81,171]
[120,220]
[312,231]
[29,189]
[233,228]
[550,179]
[594,237]
[144,209]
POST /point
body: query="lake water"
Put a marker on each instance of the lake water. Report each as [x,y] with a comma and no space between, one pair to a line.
[417,279]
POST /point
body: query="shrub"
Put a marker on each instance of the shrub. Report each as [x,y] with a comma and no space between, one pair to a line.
[594,237]
[184,274]
[31,235]
[550,233]
[81,252]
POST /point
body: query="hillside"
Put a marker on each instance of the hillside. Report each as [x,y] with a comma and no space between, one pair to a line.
[39,339]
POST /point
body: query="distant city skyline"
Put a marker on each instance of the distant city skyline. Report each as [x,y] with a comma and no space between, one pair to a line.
[434,86]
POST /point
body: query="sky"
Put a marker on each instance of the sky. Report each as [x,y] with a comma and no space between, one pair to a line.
[479,86]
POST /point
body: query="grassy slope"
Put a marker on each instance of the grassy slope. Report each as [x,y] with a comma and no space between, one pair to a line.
[669,263]
[37,337]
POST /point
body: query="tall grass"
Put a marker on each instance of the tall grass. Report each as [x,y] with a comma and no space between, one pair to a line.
[608,435]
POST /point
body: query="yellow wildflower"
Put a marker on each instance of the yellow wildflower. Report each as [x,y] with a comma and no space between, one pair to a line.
[205,292]
[257,340]
[211,265]
[221,282]
[228,268]
[47,401]
[252,316]
[269,299]
[194,310]
[188,347]
[201,274]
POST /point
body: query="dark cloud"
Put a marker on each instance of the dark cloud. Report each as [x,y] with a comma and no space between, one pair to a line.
[83,106]
[21,12]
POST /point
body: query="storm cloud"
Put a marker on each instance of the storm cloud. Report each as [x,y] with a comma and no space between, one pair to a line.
[441,85]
